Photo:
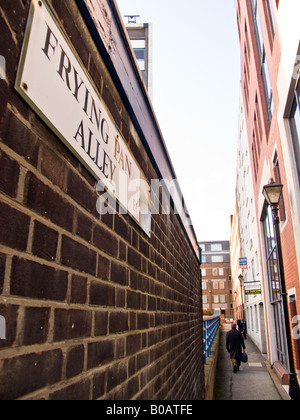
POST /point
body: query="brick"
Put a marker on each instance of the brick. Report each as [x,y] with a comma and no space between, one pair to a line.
[76,392]
[116,376]
[36,326]
[100,353]
[133,344]
[119,274]
[84,227]
[45,242]
[9,175]
[106,241]
[102,294]
[82,193]
[14,227]
[49,204]
[77,256]
[78,289]
[22,375]
[20,139]
[99,384]
[11,314]
[2,271]
[30,279]
[118,322]
[121,228]
[54,168]
[101,323]
[75,361]
[103,268]
[4,92]
[134,258]
[72,324]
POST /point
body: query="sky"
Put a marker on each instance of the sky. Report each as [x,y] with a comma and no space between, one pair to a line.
[196,85]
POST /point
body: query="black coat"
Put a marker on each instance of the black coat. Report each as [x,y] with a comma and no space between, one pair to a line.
[234,344]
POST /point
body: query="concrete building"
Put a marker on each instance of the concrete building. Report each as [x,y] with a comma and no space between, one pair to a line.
[100,293]
[141,38]
[269,37]
[216,279]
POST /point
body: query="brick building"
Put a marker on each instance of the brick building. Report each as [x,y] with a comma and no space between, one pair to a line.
[269,38]
[216,279]
[94,304]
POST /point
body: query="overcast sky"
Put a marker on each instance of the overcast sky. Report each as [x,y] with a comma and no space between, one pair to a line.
[196,85]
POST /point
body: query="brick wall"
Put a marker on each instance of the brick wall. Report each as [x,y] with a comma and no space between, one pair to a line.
[93,307]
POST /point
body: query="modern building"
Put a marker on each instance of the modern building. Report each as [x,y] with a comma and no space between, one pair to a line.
[216,279]
[269,38]
[141,38]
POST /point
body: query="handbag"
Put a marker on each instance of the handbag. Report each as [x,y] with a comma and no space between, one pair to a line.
[244,358]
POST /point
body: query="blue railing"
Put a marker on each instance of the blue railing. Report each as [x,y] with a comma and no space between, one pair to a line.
[211,325]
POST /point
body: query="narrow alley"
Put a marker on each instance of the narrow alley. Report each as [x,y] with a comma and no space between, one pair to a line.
[253,382]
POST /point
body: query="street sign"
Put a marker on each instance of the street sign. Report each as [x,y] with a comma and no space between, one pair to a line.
[243,263]
[253,288]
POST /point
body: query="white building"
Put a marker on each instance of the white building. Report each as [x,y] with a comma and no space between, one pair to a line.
[249,239]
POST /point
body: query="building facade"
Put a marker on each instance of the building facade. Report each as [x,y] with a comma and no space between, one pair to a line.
[100,293]
[269,38]
[216,279]
[141,38]
[248,296]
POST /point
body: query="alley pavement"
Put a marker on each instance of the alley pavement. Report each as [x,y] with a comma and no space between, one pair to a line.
[253,382]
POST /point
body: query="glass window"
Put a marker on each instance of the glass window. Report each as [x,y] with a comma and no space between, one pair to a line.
[274,285]
[217,259]
[216,247]
[295,126]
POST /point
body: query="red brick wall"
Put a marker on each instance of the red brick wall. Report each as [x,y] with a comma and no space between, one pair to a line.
[93,307]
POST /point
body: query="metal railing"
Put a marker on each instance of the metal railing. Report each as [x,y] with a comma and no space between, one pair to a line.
[211,325]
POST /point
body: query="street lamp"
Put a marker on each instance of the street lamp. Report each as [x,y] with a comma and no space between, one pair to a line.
[241,279]
[272,193]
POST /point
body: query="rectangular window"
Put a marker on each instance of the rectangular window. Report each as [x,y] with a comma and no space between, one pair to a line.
[270,17]
[217,259]
[274,285]
[264,68]
[295,126]
[216,247]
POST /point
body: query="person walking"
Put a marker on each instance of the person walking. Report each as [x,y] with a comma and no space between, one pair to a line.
[234,344]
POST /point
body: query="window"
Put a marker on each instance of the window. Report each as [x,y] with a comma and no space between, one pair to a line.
[216,299]
[204,285]
[214,272]
[217,259]
[215,285]
[203,272]
[221,271]
[274,285]
[216,247]
[277,177]
[295,126]
[222,299]
[204,299]
[270,19]
[264,68]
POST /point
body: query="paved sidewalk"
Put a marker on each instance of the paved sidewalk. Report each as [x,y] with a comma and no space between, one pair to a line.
[253,382]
